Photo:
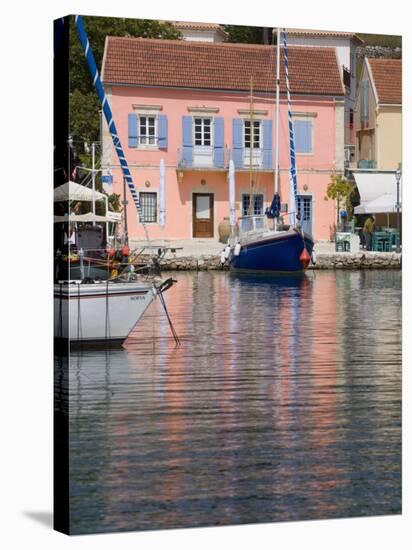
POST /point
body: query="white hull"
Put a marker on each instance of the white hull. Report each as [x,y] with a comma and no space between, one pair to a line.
[100,311]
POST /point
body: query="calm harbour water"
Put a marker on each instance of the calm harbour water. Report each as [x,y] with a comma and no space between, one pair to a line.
[282,403]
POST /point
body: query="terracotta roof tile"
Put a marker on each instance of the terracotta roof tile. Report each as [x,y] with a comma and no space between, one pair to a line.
[224,66]
[387,76]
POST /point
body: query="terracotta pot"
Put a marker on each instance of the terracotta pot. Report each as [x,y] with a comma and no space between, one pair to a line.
[224,230]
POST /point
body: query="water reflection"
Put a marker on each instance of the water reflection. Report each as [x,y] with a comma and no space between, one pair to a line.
[282,403]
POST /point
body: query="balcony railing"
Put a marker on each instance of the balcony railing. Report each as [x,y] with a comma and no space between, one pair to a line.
[205,158]
[346,77]
[367,164]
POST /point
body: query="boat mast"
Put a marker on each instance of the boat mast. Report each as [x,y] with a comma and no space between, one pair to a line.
[94,181]
[251,148]
[277,111]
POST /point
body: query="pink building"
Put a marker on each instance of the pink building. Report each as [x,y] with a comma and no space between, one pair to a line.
[188,103]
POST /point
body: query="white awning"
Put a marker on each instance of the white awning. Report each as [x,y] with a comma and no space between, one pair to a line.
[377,190]
[71,191]
[385,204]
[84,218]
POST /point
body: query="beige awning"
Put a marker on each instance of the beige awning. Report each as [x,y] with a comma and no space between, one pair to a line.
[71,191]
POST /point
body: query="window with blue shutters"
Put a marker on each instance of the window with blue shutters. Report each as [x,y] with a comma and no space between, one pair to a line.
[303,130]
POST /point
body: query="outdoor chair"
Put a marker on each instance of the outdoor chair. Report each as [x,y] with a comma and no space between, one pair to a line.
[342,242]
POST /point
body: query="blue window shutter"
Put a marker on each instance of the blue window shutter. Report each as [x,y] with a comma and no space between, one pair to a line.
[132,131]
[303,136]
[237,130]
[219,143]
[267,144]
[162,131]
[187,140]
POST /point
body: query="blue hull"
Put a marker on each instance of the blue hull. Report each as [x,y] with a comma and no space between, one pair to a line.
[279,253]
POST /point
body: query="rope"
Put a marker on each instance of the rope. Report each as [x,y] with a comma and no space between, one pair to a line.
[107,322]
[78,312]
[162,301]
[60,331]
[91,64]
[293,190]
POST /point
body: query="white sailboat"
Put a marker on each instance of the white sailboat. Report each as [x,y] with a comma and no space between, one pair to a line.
[103,312]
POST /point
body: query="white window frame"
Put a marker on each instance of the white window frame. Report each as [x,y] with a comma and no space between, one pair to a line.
[154,145]
[156,209]
[203,118]
[259,121]
[257,155]
[254,195]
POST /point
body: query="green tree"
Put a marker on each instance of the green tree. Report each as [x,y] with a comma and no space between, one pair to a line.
[84,103]
[339,190]
[249,35]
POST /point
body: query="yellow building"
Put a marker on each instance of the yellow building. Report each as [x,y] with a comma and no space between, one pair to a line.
[378,115]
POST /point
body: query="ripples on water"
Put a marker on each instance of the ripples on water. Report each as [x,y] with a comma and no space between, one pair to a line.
[283,403]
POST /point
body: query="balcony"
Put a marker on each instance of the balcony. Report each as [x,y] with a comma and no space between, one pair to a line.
[210,159]
[203,158]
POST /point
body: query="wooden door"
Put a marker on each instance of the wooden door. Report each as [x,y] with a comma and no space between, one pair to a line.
[202,215]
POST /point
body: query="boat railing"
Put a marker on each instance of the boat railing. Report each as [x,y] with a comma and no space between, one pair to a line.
[252,224]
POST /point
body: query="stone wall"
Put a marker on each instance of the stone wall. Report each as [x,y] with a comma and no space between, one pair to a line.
[338,260]
[190,263]
[361,260]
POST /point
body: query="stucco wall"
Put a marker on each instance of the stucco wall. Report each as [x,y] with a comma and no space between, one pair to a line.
[389,137]
[314,169]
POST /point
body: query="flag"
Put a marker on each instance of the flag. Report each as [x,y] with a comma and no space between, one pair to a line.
[107,182]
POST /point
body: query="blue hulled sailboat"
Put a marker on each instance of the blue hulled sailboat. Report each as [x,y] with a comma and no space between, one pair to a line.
[283,249]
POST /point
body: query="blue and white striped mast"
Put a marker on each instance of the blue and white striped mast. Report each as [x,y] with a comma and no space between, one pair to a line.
[91,64]
[292,178]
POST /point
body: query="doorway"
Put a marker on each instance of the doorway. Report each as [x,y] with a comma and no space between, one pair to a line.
[203,215]
[304,209]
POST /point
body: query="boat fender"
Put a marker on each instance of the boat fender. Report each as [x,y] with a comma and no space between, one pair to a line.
[222,257]
[304,259]
[227,252]
[237,249]
[313,257]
